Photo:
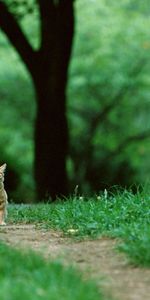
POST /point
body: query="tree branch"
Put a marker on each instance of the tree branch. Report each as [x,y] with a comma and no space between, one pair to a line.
[11,28]
[101,116]
[131,139]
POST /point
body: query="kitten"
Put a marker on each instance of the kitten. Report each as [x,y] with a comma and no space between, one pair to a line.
[3,197]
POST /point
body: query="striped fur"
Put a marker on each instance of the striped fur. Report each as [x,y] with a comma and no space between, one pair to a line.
[3,196]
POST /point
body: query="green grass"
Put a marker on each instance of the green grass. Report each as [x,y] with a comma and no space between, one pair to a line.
[28,276]
[123,215]
[137,245]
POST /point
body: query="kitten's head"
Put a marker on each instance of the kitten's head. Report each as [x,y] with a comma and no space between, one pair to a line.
[2,170]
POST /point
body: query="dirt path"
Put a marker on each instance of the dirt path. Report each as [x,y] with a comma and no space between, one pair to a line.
[97,259]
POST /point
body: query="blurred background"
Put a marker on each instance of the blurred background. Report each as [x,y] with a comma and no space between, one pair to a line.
[108,100]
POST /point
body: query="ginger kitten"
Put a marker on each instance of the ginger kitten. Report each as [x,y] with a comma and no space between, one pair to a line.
[3,197]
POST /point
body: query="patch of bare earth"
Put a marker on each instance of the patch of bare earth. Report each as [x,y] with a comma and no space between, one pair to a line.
[97,259]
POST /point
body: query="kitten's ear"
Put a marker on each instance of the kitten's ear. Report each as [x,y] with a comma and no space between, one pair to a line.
[3,167]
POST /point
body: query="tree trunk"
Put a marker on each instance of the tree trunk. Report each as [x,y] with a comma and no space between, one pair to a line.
[51,142]
[50,80]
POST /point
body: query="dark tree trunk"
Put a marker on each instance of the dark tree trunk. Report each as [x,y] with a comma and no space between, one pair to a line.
[51,141]
[50,80]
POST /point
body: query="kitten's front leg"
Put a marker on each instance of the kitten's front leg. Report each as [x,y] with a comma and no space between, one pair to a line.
[2,222]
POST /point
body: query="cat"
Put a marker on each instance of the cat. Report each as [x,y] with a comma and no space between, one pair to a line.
[3,196]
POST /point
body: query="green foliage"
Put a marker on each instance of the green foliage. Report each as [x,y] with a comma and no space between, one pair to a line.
[122,215]
[17,108]
[109,94]
[30,277]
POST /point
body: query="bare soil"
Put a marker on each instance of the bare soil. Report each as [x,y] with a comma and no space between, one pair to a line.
[97,259]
